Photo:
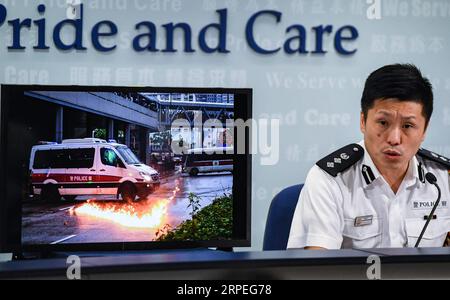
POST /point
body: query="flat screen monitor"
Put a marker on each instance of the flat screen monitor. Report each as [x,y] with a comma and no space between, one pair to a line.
[123,168]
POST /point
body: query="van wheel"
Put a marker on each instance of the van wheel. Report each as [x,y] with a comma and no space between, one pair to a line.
[51,194]
[193,172]
[143,195]
[128,192]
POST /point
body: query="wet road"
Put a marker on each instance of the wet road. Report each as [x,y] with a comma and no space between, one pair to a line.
[56,223]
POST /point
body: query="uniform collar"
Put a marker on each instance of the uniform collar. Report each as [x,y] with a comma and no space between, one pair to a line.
[415,173]
[370,173]
[368,169]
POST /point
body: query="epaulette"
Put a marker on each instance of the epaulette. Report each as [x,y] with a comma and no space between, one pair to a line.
[341,160]
[435,157]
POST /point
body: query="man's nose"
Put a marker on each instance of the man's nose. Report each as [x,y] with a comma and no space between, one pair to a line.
[394,136]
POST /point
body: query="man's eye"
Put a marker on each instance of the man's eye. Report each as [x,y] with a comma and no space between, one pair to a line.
[382,123]
[407,126]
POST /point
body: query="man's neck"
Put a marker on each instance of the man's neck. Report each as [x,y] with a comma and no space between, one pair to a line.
[394,177]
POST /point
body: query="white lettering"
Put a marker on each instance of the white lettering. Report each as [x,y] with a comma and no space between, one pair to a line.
[74,269]
[279,80]
[158,5]
[271,150]
[374,271]
[197,290]
[415,8]
[24,76]
[313,117]
[290,119]
[374,10]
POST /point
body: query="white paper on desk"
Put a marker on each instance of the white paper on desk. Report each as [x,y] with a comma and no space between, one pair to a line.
[5,257]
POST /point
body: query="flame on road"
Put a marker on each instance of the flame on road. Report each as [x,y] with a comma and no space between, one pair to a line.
[128,215]
[151,213]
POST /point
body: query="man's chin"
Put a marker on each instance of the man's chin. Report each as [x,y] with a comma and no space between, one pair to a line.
[394,162]
[393,158]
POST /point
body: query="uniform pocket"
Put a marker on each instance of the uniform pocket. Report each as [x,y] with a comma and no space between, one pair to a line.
[434,235]
[368,236]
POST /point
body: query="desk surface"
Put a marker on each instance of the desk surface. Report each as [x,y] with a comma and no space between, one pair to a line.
[218,260]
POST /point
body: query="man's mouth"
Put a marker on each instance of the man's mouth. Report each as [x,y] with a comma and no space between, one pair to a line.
[392,153]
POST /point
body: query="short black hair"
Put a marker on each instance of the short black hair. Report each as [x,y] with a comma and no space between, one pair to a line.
[403,82]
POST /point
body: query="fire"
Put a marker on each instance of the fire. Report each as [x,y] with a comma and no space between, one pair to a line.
[128,215]
[148,214]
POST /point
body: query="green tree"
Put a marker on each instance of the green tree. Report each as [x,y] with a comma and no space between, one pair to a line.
[100,133]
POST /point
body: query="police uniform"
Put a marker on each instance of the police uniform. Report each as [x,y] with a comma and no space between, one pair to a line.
[346,203]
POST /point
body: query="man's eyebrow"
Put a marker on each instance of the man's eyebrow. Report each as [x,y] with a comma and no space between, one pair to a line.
[384,112]
[388,113]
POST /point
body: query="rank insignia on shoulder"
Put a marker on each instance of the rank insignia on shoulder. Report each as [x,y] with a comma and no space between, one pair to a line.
[435,157]
[341,160]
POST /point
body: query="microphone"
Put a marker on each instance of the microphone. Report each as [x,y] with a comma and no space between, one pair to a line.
[432,180]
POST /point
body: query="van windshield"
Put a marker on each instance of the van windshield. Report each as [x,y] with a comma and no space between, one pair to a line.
[128,155]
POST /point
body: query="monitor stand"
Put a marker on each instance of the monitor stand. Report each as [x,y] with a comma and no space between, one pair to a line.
[225,249]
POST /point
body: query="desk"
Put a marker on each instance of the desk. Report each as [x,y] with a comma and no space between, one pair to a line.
[210,264]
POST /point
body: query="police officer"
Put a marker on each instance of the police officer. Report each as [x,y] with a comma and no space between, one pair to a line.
[374,194]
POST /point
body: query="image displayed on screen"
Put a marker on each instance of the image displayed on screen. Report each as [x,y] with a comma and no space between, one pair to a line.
[100,167]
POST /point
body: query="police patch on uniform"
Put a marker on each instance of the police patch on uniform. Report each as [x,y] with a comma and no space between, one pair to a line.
[419,205]
[363,221]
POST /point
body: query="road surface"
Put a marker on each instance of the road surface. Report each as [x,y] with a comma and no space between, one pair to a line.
[45,223]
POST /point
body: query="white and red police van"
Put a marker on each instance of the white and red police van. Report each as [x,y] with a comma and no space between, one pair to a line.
[208,160]
[89,167]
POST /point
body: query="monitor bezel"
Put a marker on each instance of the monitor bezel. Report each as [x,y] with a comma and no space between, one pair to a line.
[242,180]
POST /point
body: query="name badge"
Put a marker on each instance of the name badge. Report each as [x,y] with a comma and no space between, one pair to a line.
[363,221]
[428,205]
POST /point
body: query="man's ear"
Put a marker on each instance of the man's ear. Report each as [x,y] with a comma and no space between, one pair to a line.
[362,123]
